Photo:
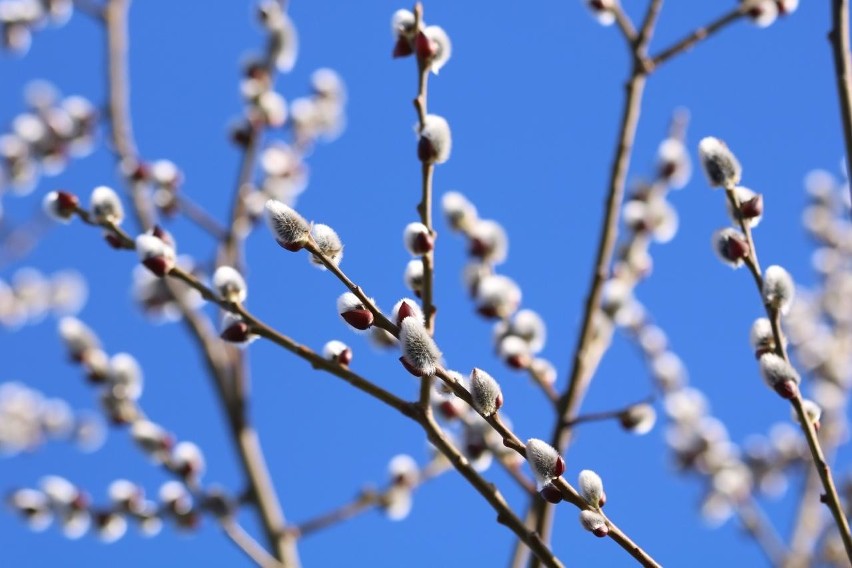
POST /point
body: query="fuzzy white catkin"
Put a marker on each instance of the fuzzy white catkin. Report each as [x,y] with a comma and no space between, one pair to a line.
[413,275]
[332,349]
[77,336]
[812,411]
[289,228]
[485,391]
[591,487]
[720,165]
[639,418]
[544,460]
[436,130]
[460,213]
[413,236]
[413,307]
[125,376]
[778,288]
[743,195]
[149,246]
[418,347]
[348,301]
[776,370]
[230,284]
[761,335]
[106,206]
[442,46]
[593,522]
[328,243]
[50,205]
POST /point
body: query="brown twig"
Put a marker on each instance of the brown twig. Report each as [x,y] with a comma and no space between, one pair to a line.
[200,217]
[839,38]
[247,544]
[830,497]
[223,373]
[700,34]
[758,526]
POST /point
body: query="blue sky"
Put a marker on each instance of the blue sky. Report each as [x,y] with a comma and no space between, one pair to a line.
[533,96]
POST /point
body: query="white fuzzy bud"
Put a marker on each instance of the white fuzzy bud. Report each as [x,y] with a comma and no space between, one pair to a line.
[527,325]
[460,213]
[406,308]
[543,370]
[152,439]
[591,488]
[230,284]
[720,165]
[764,13]
[602,11]
[488,241]
[673,163]
[418,347]
[545,461]
[288,227]
[761,337]
[335,350]
[812,411]
[78,337]
[110,526]
[515,352]
[157,256]
[638,419]
[497,296]
[594,522]
[105,205]
[187,460]
[403,470]
[779,374]
[486,393]
[417,239]
[778,288]
[354,312]
[60,206]
[413,275]
[440,47]
[436,141]
[730,246]
[125,376]
[402,23]
[750,207]
[328,243]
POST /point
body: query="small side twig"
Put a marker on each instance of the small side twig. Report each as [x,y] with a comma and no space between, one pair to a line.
[839,39]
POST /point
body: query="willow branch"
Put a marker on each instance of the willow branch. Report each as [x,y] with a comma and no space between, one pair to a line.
[700,34]
[222,372]
[839,38]
[248,545]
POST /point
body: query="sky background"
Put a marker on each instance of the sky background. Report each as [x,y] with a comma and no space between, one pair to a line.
[533,95]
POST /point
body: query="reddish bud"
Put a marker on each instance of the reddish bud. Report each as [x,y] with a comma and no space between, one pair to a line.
[426,152]
[402,48]
[159,265]
[559,468]
[410,368]
[551,494]
[752,208]
[113,240]
[424,47]
[358,318]
[405,310]
[786,389]
[66,202]
[237,332]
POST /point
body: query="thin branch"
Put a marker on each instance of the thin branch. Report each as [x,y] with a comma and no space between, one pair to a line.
[200,217]
[648,24]
[90,8]
[605,415]
[830,497]
[622,20]
[249,545]
[700,34]
[839,38]
[222,372]
[758,526]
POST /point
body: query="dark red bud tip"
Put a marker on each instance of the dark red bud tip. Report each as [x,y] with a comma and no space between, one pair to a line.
[823,498]
[601,531]
[237,332]
[423,243]
[158,265]
[782,7]
[550,494]
[786,389]
[410,368]
[425,151]
[448,410]
[478,248]
[597,5]
[96,378]
[140,172]
[559,468]
[345,357]
[816,426]
[359,318]
[292,247]
[402,48]
[405,311]
[487,311]
[67,202]
[752,208]
[161,234]
[189,520]
[242,134]
[80,501]
[667,169]
[113,240]
[755,12]
[498,403]
[424,47]
[602,500]
[475,450]
[761,351]
[519,361]
[735,249]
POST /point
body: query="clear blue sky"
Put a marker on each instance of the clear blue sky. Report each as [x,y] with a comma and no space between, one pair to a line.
[533,95]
